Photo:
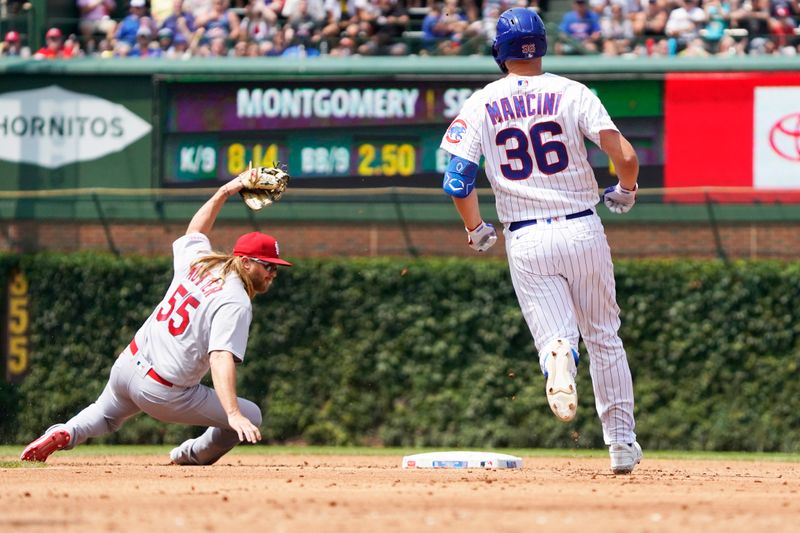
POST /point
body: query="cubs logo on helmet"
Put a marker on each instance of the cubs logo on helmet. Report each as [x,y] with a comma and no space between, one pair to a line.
[456,131]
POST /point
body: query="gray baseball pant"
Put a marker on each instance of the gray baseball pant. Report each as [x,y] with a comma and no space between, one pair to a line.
[129,392]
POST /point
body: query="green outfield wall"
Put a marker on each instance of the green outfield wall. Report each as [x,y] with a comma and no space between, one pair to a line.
[424,352]
[150,126]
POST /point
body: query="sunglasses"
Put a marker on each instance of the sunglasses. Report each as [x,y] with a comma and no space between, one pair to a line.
[268,266]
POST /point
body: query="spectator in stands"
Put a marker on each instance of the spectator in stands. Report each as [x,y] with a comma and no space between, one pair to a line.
[259,24]
[143,46]
[165,38]
[137,16]
[359,11]
[730,47]
[695,48]
[685,21]
[753,16]
[652,20]
[104,50]
[305,23]
[218,47]
[179,49]
[198,7]
[581,25]
[95,18]
[783,28]
[718,16]
[443,23]
[344,48]
[12,46]
[122,49]
[315,9]
[219,21]
[181,20]
[785,8]
[55,47]
[280,41]
[388,28]
[617,30]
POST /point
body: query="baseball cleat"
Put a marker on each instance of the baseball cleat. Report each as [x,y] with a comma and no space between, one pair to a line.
[39,450]
[180,455]
[560,369]
[625,457]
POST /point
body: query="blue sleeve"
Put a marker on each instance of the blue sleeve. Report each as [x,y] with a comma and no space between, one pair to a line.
[595,22]
[565,22]
[459,178]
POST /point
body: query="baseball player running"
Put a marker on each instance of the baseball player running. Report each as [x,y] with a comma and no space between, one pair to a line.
[530,128]
[202,323]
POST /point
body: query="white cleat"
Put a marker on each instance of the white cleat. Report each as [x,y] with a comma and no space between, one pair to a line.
[625,457]
[562,394]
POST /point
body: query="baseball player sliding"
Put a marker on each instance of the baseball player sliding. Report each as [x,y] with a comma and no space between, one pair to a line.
[202,323]
[530,127]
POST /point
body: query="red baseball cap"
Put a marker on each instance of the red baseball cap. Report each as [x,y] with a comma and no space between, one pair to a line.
[12,37]
[53,32]
[259,246]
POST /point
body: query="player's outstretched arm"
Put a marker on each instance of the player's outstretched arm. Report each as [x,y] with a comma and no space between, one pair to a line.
[223,374]
[204,219]
[621,197]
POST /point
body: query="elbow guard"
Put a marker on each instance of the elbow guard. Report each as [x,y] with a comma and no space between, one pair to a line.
[459,178]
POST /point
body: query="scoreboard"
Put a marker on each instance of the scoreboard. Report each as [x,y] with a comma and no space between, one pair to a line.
[347,133]
[343,156]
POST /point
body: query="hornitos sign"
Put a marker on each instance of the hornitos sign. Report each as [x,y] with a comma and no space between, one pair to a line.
[52,127]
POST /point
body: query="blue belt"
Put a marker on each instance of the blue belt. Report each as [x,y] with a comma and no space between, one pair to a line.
[514,226]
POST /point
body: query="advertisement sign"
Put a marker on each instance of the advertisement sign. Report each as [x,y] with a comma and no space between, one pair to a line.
[733,130]
[776,138]
[52,127]
[212,107]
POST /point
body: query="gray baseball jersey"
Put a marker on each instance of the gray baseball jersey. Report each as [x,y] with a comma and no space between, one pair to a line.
[159,372]
[197,316]
[531,132]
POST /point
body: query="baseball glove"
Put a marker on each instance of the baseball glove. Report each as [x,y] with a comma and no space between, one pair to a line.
[262,186]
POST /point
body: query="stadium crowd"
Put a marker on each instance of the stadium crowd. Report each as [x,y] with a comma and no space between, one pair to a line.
[307,28]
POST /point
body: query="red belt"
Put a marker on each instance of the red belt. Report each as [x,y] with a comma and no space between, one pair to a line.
[152,373]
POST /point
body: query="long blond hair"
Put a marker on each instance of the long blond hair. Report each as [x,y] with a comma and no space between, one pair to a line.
[227,264]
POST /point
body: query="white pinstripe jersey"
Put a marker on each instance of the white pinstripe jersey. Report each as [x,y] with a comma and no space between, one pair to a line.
[531,131]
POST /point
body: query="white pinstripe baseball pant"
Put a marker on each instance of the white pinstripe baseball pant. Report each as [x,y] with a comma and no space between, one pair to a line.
[564,280]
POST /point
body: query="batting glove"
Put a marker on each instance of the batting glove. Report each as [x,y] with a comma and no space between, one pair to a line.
[618,199]
[482,238]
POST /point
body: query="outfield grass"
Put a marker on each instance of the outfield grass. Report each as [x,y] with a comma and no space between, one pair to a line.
[8,454]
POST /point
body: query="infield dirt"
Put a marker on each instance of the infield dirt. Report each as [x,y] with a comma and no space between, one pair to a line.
[371,493]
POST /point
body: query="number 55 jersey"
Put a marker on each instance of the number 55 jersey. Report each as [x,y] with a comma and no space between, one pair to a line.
[531,130]
[198,315]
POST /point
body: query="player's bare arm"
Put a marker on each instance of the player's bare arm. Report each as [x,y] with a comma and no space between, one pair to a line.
[621,197]
[459,183]
[223,374]
[204,219]
[622,154]
[469,209]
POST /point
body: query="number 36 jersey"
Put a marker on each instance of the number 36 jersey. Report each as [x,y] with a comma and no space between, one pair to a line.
[531,130]
[199,314]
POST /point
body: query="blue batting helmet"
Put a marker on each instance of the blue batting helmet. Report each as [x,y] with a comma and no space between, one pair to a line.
[520,35]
